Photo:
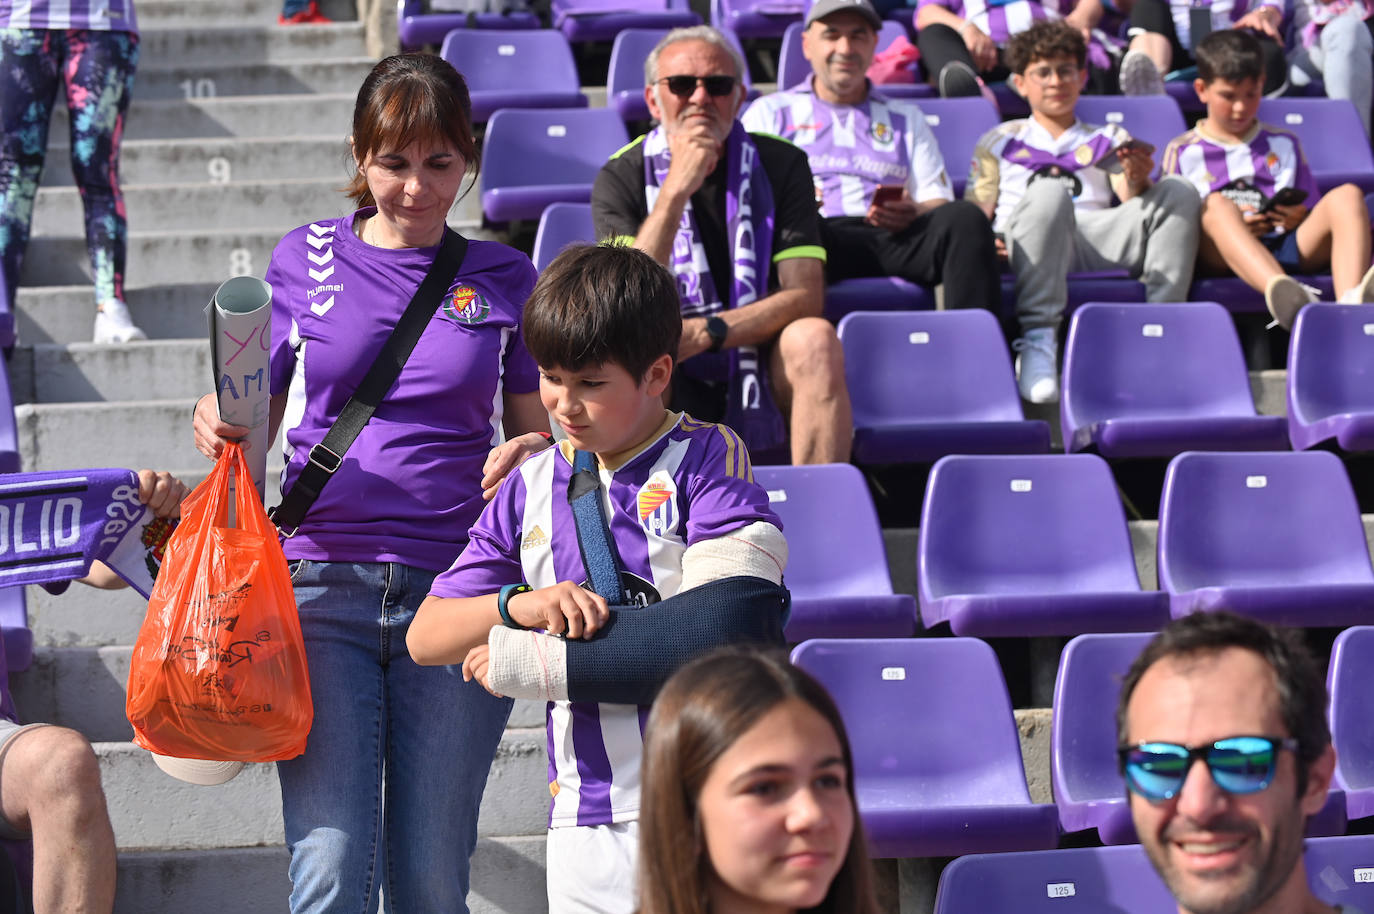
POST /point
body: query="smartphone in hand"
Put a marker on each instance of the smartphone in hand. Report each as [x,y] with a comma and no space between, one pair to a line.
[886,193]
[1112,165]
[1284,196]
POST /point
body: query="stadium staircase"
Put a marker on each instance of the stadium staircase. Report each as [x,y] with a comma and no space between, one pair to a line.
[236,135]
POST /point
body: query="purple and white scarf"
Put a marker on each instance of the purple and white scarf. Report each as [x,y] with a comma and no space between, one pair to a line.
[54,525]
[750,410]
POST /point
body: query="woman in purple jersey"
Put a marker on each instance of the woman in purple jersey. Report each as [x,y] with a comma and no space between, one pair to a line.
[387,791]
[90,49]
[748,753]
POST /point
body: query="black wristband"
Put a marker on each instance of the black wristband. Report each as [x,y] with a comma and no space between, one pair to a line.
[503,597]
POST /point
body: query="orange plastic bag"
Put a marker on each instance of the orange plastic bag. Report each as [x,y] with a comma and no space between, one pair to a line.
[219,666]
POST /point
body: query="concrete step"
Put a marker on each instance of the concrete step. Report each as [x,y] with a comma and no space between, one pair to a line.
[200,14]
[507,878]
[65,314]
[148,808]
[134,433]
[196,79]
[89,372]
[249,43]
[157,258]
[235,205]
[212,160]
[177,257]
[85,688]
[244,115]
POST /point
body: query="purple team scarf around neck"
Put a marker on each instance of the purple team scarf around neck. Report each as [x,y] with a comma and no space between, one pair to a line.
[750,410]
[53,525]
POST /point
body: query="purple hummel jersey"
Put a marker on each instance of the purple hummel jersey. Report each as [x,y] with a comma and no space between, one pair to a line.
[98,15]
[410,486]
[1269,159]
[853,149]
[692,482]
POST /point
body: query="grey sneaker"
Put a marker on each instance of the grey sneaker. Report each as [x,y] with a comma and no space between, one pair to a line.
[1284,296]
[1139,75]
[114,325]
[1036,372]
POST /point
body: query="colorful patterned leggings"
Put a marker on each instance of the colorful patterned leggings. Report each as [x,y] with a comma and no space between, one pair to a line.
[96,70]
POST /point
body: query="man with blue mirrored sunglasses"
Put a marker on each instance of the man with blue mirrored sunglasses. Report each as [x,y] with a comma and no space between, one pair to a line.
[1225,752]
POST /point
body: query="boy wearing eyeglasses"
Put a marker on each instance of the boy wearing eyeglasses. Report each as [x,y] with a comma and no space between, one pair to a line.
[1048,183]
[1226,752]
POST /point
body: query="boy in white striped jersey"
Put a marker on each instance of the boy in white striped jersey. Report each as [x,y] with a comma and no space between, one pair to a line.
[682,511]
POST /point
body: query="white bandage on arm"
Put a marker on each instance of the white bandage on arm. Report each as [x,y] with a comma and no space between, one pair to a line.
[757,551]
[526,664]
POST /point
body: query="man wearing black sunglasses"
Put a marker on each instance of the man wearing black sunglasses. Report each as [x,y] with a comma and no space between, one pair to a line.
[886,199]
[1226,752]
[733,216]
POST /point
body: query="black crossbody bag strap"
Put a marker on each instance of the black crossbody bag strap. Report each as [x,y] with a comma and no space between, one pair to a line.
[326,457]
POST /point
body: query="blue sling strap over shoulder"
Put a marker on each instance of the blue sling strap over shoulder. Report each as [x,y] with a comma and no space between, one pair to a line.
[593,533]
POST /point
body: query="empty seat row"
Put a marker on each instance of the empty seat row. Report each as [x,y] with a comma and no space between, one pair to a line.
[1121,880]
[938,768]
[1038,545]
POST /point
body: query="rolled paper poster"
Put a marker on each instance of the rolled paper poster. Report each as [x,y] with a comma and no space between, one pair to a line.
[240,340]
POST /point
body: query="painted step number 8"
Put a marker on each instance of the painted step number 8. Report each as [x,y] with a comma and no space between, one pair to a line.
[240,262]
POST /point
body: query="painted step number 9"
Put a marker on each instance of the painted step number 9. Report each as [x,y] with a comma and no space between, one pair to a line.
[220,170]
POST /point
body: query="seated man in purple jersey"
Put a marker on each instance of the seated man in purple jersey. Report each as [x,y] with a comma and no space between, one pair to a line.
[1225,749]
[886,199]
[676,509]
[964,42]
[733,216]
[1048,183]
[1258,214]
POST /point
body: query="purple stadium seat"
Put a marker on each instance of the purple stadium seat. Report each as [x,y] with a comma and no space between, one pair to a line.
[14,614]
[561,225]
[1154,380]
[1347,682]
[416,28]
[1121,880]
[876,293]
[1081,880]
[1275,536]
[1181,90]
[1152,118]
[837,567]
[1326,128]
[602,20]
[924,384]
[793,67]
[625,76]
[1088,788]
[1029,545]
[6,318]
[755,18]
[937,759]
[1331,377]
[1234,295]
[532,157]
[520,69]
[958,123]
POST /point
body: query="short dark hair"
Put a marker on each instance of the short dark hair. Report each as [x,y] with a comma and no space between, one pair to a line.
[409,97]
[1234,55]
[600,303]
[1046,40]
[1297,675]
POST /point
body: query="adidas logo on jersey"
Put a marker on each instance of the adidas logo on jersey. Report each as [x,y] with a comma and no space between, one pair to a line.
[533,539]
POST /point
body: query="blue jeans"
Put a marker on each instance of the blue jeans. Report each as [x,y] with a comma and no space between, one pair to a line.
[394,768]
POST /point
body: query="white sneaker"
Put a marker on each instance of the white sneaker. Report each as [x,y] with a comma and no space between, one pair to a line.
[1284,296]
[1036,372]
[1139,75]
[1365,289]
[114,325]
